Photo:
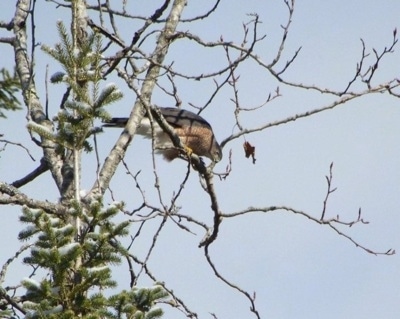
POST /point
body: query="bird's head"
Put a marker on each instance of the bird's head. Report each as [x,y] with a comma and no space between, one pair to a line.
[215,152]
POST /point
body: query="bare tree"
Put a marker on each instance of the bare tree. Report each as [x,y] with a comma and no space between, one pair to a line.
[75,239]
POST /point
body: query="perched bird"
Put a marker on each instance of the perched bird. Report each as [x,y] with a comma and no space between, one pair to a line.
[195,133]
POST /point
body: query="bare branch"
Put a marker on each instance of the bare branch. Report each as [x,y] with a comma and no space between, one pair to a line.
[178,301]
[42,168]
[369,74]
[174,93]
[289,62]
[7,25]
[137,113]
[290,6]
[10,260]
[358,68]
[9,40]
[378,89]
[205,15]
[105,32]
[11,195]
[330,222]
[19,145]
[153,244]
[230,284]
[211,235]
[329,191]
[31,99]
[246,52]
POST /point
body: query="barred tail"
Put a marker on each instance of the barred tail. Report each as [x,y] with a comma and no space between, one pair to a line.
[115,122]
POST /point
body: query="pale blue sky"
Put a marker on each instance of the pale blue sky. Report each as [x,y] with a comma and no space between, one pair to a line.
[297,268]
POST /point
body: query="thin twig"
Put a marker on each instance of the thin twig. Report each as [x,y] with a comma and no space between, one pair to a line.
[329,222]
[253,308]
[329,191]
[19,145]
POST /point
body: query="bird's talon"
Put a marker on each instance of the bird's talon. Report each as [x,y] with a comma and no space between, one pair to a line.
[188,151]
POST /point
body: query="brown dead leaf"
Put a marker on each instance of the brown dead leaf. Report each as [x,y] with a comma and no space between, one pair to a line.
[249,150]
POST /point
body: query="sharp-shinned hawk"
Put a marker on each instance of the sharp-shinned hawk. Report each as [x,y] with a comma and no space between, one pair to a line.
[195,133]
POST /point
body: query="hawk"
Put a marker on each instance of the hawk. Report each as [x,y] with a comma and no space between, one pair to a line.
[195,133]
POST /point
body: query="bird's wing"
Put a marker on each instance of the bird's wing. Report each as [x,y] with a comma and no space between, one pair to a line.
[177,118]
[181,118]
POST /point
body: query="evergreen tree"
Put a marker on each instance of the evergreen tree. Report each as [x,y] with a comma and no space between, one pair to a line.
[9,86]
[76,248]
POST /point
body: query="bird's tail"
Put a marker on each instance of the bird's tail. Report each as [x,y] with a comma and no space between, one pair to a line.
[115,122]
